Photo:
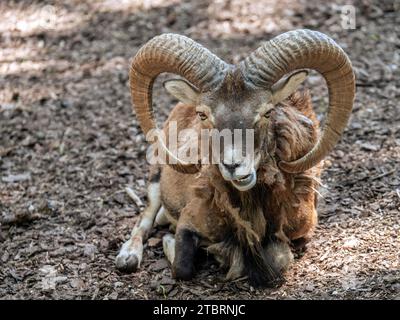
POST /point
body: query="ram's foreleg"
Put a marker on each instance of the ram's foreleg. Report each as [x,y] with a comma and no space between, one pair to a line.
[131,253]
[186,246]
[191,229]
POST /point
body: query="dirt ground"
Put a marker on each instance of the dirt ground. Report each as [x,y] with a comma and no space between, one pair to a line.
[70,144]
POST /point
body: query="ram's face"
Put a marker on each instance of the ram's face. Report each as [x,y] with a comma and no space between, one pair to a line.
[241,122]
[238,118]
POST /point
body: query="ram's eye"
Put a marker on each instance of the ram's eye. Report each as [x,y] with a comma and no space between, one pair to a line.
[267,114]
[202,115]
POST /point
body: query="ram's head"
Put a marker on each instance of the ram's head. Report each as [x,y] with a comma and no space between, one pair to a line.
[242,96]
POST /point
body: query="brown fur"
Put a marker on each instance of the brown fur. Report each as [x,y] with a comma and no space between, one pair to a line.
[281,205]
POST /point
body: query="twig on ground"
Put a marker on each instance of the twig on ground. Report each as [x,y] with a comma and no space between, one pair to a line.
[383,175]
[372,178]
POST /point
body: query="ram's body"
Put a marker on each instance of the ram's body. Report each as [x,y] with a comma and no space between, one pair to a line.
[280,206]
[246,210]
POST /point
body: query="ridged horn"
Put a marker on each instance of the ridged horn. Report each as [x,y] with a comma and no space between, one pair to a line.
[176,54]
[313,50]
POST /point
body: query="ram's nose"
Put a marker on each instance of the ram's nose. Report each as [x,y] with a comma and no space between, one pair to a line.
[231,167]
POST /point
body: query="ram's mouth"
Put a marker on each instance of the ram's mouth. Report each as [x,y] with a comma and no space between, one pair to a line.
[246,182]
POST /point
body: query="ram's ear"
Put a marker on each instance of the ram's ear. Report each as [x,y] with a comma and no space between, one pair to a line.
[287,85]
[182,90]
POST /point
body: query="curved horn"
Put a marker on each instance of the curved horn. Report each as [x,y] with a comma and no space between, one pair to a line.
[314,50]
[170,53]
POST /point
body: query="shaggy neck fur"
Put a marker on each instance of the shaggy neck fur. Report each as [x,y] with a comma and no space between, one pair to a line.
[252,222]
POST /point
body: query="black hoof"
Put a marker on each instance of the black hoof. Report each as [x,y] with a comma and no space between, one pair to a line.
[183,272]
